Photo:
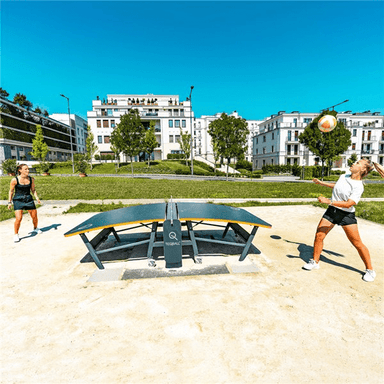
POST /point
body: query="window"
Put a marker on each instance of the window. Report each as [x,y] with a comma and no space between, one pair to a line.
[353,146]
[113,124]
[271,161]
[100,139]
[257,151]
[177,123]
[106,139]
[257,140]
[307,120]
[354,132]
[288,149]
[264,139]
[98,122]
[296,135]
[181,112]
[264,150]
[183,123]
[105,124]
[170,123]
[273,135]
[273,149]
[171,138]
[289,135]
[109,112]
[177,138]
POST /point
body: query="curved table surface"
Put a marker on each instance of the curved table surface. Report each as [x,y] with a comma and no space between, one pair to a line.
[149,213]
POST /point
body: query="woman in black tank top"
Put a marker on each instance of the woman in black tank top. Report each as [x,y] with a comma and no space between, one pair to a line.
[20,189]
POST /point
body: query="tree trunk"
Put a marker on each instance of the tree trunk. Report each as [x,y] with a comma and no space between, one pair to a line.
[131,166]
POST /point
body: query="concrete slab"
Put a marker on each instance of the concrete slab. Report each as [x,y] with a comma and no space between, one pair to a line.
[279,325]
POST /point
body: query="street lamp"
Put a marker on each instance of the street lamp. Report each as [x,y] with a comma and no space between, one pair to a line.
[70,132]
[333,106]
[190,117]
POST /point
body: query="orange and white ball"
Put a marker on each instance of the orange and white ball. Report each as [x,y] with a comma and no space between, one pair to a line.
[327,123]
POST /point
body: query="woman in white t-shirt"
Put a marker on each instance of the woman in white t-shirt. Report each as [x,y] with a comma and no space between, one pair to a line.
[346,194]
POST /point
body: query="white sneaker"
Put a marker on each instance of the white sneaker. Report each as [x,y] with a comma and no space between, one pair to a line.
[16,238]
[369,275]
[311,265]
[37,231]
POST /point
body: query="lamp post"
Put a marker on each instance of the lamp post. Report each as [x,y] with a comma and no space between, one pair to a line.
[190,117]
[70,132]
[333,106]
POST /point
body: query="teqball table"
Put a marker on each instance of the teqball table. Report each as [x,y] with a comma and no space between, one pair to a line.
[171,217]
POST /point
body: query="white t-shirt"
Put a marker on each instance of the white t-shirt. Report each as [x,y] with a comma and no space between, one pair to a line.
[346,189]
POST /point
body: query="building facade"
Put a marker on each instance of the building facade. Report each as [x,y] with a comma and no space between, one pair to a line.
[277,141]
[18,129]
[167,111]
[79,126]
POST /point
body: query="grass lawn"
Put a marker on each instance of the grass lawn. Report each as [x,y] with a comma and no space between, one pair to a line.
[92,188]
[156,167]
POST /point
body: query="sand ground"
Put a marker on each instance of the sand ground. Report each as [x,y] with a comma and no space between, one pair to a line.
[280,324]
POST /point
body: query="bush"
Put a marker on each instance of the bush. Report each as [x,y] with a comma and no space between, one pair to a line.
[183,171]
[44,167]
[244,164]
[9,166]
[81,165]
[175,156]
[62,164]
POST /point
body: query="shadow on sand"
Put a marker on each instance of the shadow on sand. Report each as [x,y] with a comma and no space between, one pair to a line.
[45,229]
[306,254]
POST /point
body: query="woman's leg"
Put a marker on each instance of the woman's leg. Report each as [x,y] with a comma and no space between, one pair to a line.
[19,217]
[353,235]
[322,230]
[33,214]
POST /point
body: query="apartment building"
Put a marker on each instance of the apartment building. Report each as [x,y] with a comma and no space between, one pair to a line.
[167,111]
[277,141]
[78,124]
[18,128]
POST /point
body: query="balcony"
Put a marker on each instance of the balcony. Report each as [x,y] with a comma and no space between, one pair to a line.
[292,140]
[369,139]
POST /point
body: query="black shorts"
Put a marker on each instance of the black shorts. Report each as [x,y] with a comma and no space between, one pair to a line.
[21,203]
[339,217]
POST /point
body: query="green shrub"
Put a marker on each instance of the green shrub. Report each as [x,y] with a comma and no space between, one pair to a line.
[9,166]
[243,164]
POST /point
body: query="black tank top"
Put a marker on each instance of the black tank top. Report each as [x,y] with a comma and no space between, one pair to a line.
[23,190]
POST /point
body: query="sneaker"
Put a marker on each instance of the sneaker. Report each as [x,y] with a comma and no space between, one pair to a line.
[37,231]
[311,265]
[16,238]
[369,275]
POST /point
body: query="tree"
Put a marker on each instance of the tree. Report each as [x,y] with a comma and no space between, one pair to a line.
[129,134]
[185,145]
[116,152]
[39,146]
[21,100]
[90,146]
[3,93]
[327,146]
[229,134]
[352,159]
[150,141]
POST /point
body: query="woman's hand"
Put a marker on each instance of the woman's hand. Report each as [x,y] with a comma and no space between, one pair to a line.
[316,181]
[9,205]
[324,200]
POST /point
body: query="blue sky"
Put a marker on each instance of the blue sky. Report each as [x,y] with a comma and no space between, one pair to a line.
[253,57]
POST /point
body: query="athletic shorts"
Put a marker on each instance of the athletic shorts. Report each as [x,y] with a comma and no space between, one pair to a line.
[339,217]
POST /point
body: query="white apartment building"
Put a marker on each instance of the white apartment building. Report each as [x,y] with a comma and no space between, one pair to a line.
[79,126]
[277,140]
[167,111]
